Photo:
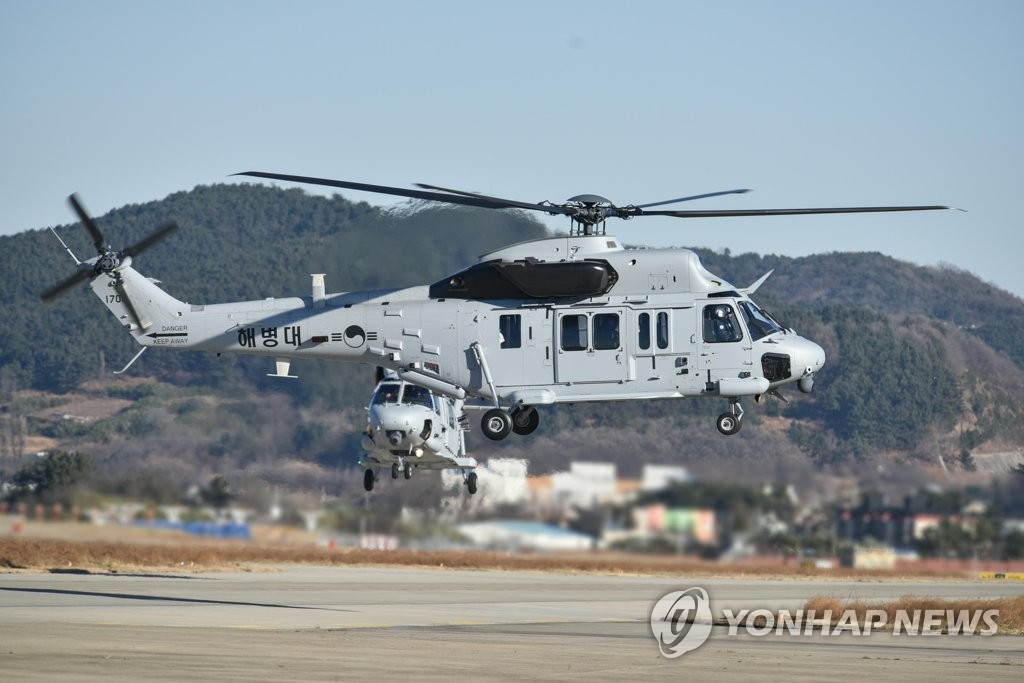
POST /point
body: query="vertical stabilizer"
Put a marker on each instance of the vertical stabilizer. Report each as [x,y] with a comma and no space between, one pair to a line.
[147,311]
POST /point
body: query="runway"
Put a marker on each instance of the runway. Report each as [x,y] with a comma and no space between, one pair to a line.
[345,623]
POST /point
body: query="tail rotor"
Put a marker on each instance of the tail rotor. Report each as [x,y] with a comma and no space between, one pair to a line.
[108,260]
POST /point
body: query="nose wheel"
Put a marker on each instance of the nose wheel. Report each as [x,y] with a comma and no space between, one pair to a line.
[471,483]
[368,478]
[729,423]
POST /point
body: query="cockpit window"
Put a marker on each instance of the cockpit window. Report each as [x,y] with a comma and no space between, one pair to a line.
[721,325]
[417,395]
[759,322]
[386,393]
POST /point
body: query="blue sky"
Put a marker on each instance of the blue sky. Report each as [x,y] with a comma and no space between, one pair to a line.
[808,103]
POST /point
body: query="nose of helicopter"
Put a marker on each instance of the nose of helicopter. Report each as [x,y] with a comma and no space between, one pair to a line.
[812,357]
[399,423]
[808,358]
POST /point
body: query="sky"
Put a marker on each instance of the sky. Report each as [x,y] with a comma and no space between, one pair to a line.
[806,103]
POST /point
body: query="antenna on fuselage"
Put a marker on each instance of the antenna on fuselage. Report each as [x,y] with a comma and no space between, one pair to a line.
[66,247]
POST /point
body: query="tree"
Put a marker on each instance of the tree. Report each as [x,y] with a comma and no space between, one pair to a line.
[53,478]
[217,494]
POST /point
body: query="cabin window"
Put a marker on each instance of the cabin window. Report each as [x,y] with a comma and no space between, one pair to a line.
[663,330]
[511,328]
[606,331]
[644,323]
[721,325]
[574,332]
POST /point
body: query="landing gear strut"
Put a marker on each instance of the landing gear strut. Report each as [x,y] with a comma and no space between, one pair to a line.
[729,423]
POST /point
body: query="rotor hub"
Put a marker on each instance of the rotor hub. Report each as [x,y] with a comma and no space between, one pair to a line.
[588,211]
[109,261]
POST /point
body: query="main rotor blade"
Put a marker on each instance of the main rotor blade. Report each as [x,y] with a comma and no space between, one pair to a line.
[448,189]
[88,222]
[788,212]
[151,239]
[691,198]
[465,199]
[512,203]
[63,286]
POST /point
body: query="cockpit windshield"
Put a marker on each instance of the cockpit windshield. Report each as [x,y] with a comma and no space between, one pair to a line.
[386,393]
[417,395]
[759,322]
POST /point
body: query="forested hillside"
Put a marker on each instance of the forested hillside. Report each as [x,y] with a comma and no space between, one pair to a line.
[921,361]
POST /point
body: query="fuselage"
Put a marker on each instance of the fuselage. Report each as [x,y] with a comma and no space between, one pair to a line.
[557,320]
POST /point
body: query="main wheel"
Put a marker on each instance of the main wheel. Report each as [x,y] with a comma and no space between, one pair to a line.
[368,478]
[496,424]
[525,420]
[728,424]
[407,470]
[394,470]
[471,483]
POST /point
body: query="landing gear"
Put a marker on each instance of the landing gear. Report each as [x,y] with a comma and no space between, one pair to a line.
[394,470]
[730,423]
[368,478]
[471,483]
[525,420]
[496,424]
[407,470]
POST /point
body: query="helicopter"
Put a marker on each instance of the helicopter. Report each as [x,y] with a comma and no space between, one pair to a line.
[565,319]
[409,427]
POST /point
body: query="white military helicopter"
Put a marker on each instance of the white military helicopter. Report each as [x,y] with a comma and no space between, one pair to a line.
[564,319]
[409,427]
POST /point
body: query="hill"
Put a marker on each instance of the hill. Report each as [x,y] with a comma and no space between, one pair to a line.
[923,363]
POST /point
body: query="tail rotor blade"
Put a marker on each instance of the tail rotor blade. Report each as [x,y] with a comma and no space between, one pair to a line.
[151,239]
[88,222]
[63,286]
[119,286]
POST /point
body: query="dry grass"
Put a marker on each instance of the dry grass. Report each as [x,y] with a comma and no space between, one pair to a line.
[1010,619]
[42,554]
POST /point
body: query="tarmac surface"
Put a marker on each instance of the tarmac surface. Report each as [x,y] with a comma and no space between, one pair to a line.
[373,623]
